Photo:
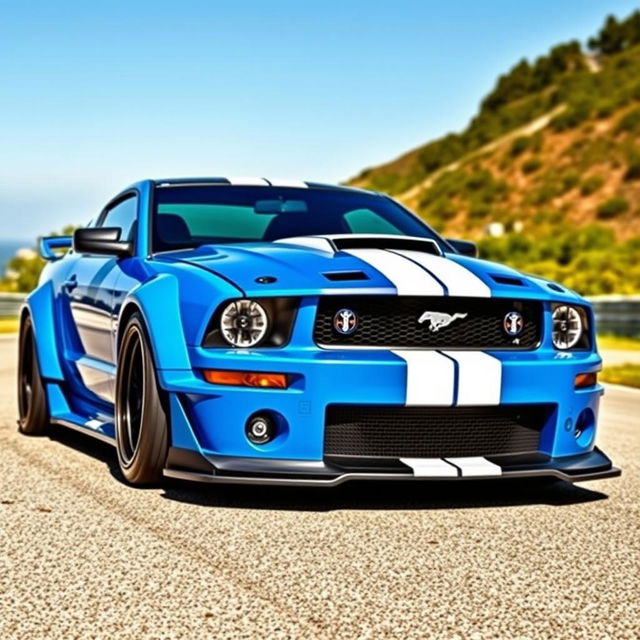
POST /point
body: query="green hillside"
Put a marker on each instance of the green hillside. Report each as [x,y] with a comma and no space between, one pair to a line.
[546,176]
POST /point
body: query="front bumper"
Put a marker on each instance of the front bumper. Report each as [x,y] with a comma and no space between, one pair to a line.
[183,464]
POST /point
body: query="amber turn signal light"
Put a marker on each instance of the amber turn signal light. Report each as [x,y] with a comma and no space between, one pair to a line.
[586,380]
[247,379]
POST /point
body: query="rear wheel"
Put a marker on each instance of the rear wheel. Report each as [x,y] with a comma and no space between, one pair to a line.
[141,419]
[32,401]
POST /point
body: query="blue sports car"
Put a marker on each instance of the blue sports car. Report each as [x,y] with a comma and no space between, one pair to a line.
[260,331]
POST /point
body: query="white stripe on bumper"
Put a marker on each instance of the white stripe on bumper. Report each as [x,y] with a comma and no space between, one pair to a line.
[458,279]
[474,467]
[430,467]
[407,277]
[479,377]
[430,377]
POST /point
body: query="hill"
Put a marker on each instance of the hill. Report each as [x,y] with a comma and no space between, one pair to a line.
[546,176]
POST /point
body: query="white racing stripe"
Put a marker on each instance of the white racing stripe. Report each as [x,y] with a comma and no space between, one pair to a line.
[248,182]
[430,377]
[430,467]
[312,242]
[479,377]
[458,279]
[408,278]
[473,467]
[297,184]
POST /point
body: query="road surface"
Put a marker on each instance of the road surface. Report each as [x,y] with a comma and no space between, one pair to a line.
[82,555]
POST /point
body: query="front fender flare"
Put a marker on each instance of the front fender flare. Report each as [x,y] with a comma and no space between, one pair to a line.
[158,300]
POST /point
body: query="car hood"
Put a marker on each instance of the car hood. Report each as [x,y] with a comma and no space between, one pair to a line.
[314,266]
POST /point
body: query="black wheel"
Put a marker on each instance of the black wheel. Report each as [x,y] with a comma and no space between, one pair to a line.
[141,418]
[32,400]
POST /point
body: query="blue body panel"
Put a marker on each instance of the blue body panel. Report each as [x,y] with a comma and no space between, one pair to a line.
[83,303]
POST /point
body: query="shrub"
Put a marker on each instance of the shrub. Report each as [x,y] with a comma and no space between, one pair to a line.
[591,185]
[612,207]
[531,165]
[633,168]
[630,122]
[520,145]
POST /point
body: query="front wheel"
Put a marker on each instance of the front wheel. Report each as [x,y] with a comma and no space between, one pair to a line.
[141,419]
[32,401]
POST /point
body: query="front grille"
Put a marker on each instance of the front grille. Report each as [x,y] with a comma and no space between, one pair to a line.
[392,321]
[433,432]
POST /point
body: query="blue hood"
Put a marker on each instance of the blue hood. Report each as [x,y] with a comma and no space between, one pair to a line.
[296,270]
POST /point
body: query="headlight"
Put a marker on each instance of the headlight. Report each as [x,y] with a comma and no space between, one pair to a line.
[567,327]
[244,323]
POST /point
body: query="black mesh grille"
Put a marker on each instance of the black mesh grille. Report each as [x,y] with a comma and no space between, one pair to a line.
[392,321]
[433,432]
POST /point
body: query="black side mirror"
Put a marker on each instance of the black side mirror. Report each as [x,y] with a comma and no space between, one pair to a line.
[101,240]
[464,247]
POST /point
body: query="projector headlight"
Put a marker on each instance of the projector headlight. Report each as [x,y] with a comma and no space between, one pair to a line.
[568,326]
[244,323]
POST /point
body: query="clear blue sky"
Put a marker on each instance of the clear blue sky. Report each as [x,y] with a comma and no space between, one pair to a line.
[95,95]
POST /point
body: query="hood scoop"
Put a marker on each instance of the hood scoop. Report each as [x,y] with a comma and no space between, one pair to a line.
[335,243]
[345,276]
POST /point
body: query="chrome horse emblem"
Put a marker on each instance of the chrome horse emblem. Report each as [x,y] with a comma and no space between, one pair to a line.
[438,320]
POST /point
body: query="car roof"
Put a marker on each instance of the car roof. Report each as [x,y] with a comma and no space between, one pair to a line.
[252,181]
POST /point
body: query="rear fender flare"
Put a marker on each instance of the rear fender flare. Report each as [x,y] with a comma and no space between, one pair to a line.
[40,306]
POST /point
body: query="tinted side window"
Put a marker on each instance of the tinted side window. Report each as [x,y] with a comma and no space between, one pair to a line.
[123,216]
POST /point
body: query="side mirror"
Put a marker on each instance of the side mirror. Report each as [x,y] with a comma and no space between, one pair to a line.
[101,240]
[49,244]
[464,247]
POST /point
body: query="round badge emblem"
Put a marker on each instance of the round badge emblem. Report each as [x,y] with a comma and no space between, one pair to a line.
[345,322]
[513,323]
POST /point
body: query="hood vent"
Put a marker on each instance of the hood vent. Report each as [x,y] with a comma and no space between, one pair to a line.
[514,282]
[555,287]
[345,276]
[425,245]
[344,242]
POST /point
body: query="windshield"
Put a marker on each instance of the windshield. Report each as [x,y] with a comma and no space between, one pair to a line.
[190,216]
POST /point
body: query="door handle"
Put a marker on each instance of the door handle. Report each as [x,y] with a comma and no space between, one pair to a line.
[70,284]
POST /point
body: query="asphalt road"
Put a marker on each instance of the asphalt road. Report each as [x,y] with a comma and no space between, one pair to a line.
[85,556]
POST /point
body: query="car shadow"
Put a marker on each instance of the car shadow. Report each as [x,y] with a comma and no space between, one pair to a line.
[355,495]
[389,495]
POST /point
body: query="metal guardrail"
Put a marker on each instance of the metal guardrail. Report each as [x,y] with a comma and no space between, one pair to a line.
[616,315]
[10,304]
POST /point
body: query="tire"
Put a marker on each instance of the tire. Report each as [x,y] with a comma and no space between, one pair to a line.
[33,412]
[142,430]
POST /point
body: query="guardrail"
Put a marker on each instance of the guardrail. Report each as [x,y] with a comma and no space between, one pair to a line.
[10,304]
[616,315]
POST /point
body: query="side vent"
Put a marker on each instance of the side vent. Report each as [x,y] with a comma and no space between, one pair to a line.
[345,276]
[514,282]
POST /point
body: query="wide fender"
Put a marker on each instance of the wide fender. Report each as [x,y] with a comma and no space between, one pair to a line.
[40,305]
[159,303]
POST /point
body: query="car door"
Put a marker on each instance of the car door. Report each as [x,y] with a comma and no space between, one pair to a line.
[93,297]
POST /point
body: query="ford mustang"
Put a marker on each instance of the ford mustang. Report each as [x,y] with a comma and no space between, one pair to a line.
[261,331]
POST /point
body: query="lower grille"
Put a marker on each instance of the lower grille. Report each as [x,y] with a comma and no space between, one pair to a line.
[433,432]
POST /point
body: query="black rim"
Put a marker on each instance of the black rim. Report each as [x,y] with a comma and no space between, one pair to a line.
[26,375]
[131,396]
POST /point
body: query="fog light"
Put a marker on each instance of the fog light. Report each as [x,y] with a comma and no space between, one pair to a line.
[260,429]
[586,380]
